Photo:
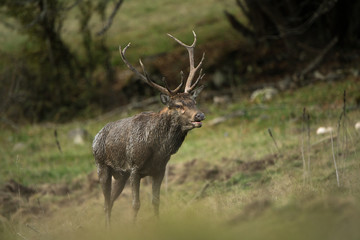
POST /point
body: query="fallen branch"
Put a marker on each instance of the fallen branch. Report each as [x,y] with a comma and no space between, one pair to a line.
[314,63]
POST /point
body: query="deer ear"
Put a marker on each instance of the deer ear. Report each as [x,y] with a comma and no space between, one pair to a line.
[165,99]
[196,92]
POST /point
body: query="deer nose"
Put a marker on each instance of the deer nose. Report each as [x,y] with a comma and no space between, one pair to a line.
[199,116]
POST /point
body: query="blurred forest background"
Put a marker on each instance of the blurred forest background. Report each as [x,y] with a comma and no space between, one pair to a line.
[60,61]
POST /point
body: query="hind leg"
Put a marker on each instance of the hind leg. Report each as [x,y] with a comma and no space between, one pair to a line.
[104,173]
[135,186]
[118,186]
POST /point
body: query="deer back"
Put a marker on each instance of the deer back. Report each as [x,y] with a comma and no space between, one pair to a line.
[146,138]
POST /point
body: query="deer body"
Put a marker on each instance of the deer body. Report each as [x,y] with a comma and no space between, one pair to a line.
[145,141]
[140,146]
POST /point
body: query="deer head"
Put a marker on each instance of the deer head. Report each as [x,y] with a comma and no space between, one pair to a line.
[182,104]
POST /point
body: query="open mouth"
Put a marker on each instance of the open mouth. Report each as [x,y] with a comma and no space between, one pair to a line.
[196,124]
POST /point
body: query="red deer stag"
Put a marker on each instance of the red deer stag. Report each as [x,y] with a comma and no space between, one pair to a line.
[141,145]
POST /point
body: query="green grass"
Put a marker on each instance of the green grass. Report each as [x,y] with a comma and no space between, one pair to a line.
[146,27]
[246,138]
[144,24]
[272,203]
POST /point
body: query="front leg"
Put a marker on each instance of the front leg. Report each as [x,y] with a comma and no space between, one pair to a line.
[156,184]
[135,187]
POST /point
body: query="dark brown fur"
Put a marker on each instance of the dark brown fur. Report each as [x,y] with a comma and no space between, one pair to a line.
[141,146]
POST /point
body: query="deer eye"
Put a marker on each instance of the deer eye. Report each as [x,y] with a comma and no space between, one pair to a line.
[178,106]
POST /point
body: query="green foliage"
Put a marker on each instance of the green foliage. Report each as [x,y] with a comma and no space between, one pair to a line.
[62,69]
[55,83]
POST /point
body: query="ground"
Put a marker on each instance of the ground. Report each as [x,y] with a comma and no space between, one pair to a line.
[231,179]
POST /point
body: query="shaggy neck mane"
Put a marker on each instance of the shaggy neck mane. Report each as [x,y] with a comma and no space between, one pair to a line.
[174,133]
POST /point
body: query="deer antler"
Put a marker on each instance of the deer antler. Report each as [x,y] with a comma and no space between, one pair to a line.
[145,77]
[189,86]
[176,90]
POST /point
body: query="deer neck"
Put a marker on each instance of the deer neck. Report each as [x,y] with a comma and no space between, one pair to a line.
[174,120]
[173,130]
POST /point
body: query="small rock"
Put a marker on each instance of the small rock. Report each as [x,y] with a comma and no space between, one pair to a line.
[355,72]
[221,100]
[319,75]
[78,135]
[324,130]
[18,147]
[78,139]
[219,78]
[357,126]
[265,94]
[217,121]
[285,83]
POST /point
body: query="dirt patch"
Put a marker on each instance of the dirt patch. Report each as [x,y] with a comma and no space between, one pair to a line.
[258,165]
[19,200]
[200,170]
[14,187]
[12,196]
[9,204]
[193,170]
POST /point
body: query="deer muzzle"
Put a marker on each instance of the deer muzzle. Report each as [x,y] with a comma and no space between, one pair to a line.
[197,119]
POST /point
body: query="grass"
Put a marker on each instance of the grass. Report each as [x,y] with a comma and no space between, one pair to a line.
[38,159]
[145,27]
[145,24]
[270,203]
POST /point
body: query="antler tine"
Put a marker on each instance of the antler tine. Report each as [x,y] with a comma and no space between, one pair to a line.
[181,82]
[145,77]
[183,44]
[201,75]
[182,76]
[176,90]
[190,48]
